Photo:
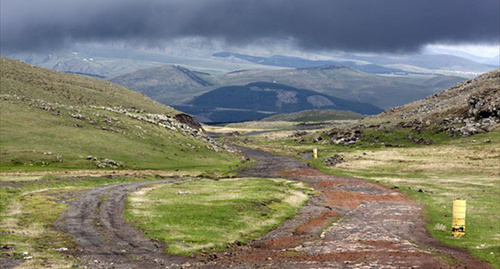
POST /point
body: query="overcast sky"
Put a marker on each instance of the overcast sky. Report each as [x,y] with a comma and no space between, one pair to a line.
[350,25]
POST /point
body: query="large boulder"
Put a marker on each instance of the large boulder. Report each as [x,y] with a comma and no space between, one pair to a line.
[189,121]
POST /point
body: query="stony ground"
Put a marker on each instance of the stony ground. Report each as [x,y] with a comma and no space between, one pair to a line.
[348,223]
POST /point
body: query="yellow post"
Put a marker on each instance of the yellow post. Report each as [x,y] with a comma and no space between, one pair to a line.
[315,153]
[458,222]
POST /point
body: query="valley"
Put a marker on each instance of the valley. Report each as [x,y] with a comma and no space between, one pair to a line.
[236,134]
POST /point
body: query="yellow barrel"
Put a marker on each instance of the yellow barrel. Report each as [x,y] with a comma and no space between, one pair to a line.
[315,153]
[458,222]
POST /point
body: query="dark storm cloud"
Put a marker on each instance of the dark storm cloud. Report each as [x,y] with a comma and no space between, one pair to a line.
[359,25]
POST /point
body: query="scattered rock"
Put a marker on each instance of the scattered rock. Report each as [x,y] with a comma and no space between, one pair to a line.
[334,160]
[299,134]
[182,192]
[317,139]
[440,227]
[77,116]
[106,162]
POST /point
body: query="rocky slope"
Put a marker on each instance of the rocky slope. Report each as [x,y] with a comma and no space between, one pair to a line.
[474,103]
[466,109]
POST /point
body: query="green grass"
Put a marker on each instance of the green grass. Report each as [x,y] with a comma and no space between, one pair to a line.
[28,213]
[39,129]
[25,80]
[137,144]
[211,214]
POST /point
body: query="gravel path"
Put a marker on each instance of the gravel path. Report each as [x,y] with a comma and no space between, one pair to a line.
[350,223]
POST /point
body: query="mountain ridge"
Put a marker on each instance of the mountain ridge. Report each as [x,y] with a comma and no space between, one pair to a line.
[258,100]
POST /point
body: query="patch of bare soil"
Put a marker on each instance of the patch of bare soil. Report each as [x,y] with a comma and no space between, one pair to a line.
[104,239]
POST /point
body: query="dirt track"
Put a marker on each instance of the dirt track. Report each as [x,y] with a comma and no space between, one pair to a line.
[374,227]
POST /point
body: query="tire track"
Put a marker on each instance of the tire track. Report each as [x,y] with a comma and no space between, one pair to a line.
[104,239]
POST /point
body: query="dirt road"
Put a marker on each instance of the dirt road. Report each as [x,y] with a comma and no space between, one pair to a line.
[349,223]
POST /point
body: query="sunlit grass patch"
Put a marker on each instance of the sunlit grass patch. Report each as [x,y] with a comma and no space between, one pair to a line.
[193,216]
[27,227]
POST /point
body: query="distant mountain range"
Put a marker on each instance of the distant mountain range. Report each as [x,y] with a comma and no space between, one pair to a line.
[259,100]
[295,62]
[174,85]
[407,64]
[382,81]
[166,84]
[113,60]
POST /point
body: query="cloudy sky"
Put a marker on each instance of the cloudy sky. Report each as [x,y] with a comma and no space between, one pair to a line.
[379,26]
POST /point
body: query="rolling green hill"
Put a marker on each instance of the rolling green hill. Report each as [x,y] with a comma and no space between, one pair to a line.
[53,120]
[346,83]
[166,84]
[259,100]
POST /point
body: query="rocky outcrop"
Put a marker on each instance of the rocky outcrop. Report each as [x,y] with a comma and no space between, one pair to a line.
[485,105]
[189,121]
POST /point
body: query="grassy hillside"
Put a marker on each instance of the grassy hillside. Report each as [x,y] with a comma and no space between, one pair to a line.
[52,120]
[55,87]
[166,84]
